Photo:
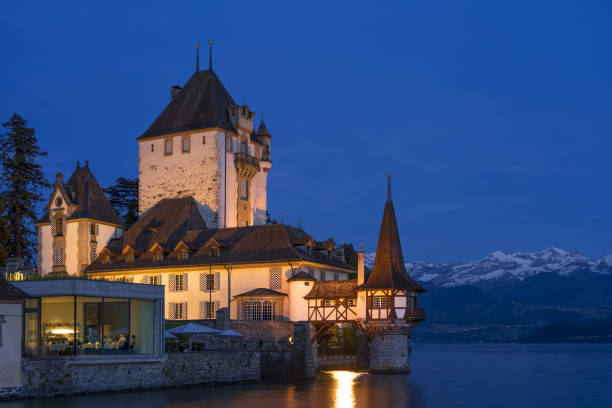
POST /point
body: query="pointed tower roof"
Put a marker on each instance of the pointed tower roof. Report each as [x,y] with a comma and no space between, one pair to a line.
[83,192]
[263,130]
[201,104]
[389,271]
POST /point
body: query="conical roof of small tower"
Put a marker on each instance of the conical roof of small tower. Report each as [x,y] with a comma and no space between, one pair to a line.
[263,130]
[389,271]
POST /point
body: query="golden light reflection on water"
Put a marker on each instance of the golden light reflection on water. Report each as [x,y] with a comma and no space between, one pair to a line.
[344,396]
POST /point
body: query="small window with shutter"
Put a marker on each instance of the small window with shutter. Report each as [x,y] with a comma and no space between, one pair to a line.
[275,277]
[186,144]
[168,146]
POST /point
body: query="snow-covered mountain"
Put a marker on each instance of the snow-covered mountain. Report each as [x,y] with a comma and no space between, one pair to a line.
[498,267]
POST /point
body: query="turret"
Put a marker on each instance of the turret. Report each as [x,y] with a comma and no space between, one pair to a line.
[264,137]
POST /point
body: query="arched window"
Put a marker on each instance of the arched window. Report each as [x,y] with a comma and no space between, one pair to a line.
[268,313]
[246,310]
[256,310]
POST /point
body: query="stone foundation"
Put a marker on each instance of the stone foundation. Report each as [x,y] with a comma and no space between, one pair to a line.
[389,353]
[42,378]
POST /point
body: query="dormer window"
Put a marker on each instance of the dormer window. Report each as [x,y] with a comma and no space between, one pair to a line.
[59,202]
[182,254]
[158,255]
[129,257]
[214,251]
[106,258]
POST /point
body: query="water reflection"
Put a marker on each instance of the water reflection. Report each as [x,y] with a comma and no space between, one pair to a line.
[344,396]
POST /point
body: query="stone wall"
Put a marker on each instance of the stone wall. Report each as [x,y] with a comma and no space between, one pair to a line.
[77,376]
[389,353]
[264,331]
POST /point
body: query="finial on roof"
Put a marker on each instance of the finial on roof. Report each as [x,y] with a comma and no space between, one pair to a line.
[389,181]
[210,45]
[78,165]
[59,177]
[197,57]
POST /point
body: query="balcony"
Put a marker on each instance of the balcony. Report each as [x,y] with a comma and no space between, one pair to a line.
[246,165]
[417,314]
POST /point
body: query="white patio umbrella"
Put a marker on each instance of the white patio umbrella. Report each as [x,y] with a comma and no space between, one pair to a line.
[190,329]
[229,334]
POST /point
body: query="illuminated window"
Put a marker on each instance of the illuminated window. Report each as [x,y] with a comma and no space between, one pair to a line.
[329,303]
[380,302]
[351,302]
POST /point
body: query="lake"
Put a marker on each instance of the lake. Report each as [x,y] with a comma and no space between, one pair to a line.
[476,375]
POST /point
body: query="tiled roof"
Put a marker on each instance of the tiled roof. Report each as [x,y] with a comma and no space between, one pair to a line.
[201,104]
[301,276]
[333,289]
[262,292]
[389,271]
[83,190]
[174,220]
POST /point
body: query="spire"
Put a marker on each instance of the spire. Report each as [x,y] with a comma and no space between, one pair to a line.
[197,57]
[210,45]
[389,271]
[389,181]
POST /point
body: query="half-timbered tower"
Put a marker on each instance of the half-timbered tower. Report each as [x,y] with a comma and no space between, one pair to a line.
[384,307]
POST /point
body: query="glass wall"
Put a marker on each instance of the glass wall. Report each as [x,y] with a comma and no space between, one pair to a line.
[57,328]
[68,325]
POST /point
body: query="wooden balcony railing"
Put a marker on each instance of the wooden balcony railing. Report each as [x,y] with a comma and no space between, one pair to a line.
[415,314]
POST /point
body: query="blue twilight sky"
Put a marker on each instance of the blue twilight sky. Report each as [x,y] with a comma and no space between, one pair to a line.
[498,116]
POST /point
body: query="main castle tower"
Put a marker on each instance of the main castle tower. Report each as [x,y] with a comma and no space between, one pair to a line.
[204,145]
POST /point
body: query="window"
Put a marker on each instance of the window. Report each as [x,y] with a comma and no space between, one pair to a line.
[268,310]
[203,139]
[59,227]
[180,311]
[178,282]
[323,276]
[351,302]
[244,189]
[380,302]
[94,229]
[92,253]
[208,310]
[329,303]
[186,144]
[158,255]
[275,278]
[129,257]
[168,144]
[182,254]
[58,257]
[58,201]
[209,281]
[336,276]
[152,147]
[246,311]
[243,147]
[155,280]
[256,310]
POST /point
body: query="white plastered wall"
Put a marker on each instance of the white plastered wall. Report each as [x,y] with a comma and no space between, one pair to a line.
[45,260]
[10,349]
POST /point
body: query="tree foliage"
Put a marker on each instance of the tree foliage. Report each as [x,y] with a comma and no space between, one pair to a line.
[22,184]
[4,234]
[123,195]
[350,255]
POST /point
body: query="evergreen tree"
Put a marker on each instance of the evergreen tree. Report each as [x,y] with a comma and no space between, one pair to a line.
[4,234]
[123,195]
[22,181]
[350,255]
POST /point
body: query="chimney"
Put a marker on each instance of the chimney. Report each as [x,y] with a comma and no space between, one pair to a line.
[360,267]
[174,91]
